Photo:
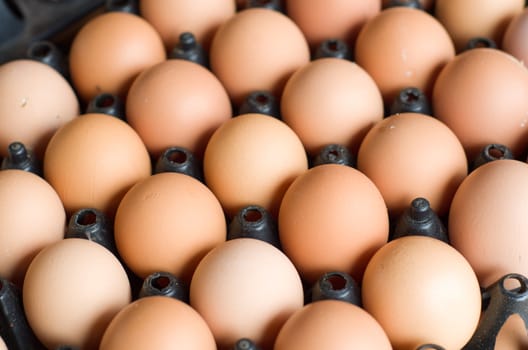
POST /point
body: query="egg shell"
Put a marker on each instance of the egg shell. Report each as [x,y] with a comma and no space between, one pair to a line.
[421,290]
[36,101]
[177,103]
[246,287]
[410,155]
[487,221]
[481,96]
[32,217]
[331,324]
[320,20]
[110,50]
[332,218]
[173,17]
[93,160]
[516,31]
[257,49]
[465,20]
[402,47]
[331,100]
[157,322]
[71,292]
[512,335]
[251,160]
[168,222]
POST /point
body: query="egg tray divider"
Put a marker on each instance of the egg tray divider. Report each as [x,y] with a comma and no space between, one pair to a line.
[25,21]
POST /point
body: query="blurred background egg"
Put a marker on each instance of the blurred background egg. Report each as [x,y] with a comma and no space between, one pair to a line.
[481,96]
[487,221]
[251,160]
[31,217]
[410,155]
[168,222]
[257,49]
[177,103]
[93,160]
[36,101]
[465,20]
[332,218]
[157,322]
[330,101]
[513,39]
[335,19]
[332,324]
[110,50]
[246,288]
[402,47]
[72,290]
[173,17]
[421,290]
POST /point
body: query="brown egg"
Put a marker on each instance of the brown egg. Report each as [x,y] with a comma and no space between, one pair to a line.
[157,322]
[331,100]
[331,324]
[332,218]
[421,290]
[110,50]
[403,47]
[168,222]
[36,101]
[337,19]
[465,20]
[512,335]
[487,221]
[31,218]
[257,49]
[412,155]
[481,96]
[72,290]
[513,39]
[252,159]
[93,160]
[173,17]
[245,287]
[177,103]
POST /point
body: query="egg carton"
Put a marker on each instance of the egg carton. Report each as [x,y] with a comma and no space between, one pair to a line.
[25,21]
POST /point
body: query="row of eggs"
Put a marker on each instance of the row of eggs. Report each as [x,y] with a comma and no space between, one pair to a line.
[329,217]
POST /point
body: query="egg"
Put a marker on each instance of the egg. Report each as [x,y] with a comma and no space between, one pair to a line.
[176,103]
[337,19]
[36,101]
[481,96]
[410,155]
[465,20]
[245,288]
[512,40]
[168,222]
[110,50]
[512,335]
[421,290]
[329,101]
[32,217]
[331,324]
[487,221]
[332,218]
[72,290]
[93,160]
[257,49]
[173,17]
[251,160]
[402,47]
[157,322]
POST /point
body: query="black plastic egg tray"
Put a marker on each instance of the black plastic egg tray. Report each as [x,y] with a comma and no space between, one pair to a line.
[25,21]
